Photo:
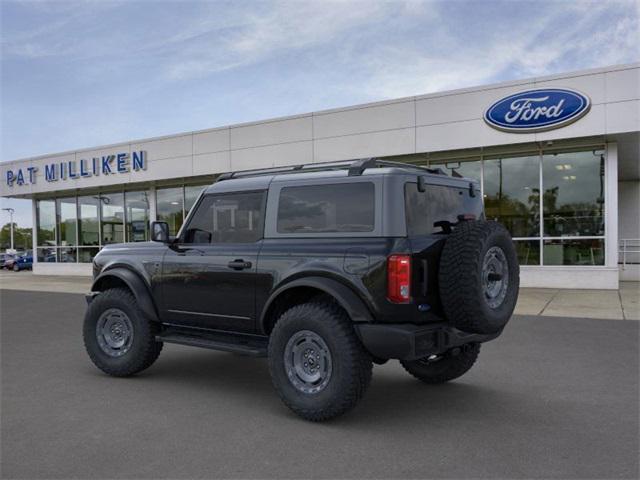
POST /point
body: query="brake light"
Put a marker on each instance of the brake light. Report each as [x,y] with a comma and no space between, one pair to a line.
[399,278]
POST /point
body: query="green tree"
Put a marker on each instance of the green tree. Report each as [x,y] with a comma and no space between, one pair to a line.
[22,237]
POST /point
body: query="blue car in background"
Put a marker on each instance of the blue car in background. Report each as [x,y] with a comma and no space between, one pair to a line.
[23,262]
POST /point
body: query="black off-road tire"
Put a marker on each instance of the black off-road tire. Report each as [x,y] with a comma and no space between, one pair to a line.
[446,368]
[464,296]
[351,364]
[144,349]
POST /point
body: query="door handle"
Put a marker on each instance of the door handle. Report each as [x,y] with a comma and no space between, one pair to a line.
[239,264]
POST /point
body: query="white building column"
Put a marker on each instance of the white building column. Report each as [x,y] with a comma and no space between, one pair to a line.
[153,212]
[611,206]
[34,232]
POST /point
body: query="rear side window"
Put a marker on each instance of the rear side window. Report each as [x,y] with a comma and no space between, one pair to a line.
[234,218]
[437,204]
[340,207]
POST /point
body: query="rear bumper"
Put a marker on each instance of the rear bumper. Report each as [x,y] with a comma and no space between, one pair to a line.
[410,342]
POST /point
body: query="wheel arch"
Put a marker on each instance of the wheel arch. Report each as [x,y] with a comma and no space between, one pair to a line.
[303,289]
[123,277]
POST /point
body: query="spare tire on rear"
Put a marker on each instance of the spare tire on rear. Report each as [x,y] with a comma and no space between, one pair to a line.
[479,277]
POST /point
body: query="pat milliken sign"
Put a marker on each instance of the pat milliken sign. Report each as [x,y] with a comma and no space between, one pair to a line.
[537,110]
[115,164]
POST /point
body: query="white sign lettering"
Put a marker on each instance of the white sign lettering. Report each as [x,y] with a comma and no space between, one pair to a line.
[523,109]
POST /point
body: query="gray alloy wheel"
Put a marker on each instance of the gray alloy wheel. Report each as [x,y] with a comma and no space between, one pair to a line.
[307,361]
[495,276]
[114,332]
[317,363]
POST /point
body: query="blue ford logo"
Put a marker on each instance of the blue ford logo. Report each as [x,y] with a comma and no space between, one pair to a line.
[537,110]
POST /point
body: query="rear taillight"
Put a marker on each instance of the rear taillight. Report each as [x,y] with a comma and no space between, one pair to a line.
[399,278]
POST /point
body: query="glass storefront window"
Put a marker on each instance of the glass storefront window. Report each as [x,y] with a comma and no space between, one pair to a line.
[469,169]
[574,252]
[67,213]
[137,216]
[169,207]
[46,255]
[191,194]
[512,194]
[67,255]
[46,219]
[112,220]
[88,223]
[528,252]
[86,254]
[573,198]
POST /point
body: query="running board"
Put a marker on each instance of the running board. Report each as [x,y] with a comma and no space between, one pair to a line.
[244,344]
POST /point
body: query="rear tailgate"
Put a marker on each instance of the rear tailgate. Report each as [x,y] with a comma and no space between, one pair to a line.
[431,211]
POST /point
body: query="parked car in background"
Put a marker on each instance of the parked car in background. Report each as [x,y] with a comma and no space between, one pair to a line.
[3,258]
[7,260]
[23,262]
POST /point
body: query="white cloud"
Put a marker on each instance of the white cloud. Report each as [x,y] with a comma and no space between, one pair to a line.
[286,27]
[533,47]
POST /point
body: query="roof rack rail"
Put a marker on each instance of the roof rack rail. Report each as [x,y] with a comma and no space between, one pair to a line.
[354,168]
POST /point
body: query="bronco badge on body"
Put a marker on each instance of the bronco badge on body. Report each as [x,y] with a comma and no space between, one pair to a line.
[537,110]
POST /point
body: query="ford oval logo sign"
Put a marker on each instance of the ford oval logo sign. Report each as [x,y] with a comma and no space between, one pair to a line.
[537,110]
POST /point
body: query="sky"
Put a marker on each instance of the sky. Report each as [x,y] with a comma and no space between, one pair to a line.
[86,73]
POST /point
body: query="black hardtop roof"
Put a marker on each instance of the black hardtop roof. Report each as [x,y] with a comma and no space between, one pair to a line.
[259,179]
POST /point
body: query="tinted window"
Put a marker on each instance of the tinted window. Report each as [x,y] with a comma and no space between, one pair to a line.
[437,204]
[343,207]
[235,218]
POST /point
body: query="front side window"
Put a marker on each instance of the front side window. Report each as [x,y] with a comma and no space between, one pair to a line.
[336,208]
[234,218]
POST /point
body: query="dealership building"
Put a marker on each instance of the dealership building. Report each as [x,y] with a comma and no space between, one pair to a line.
[557,158]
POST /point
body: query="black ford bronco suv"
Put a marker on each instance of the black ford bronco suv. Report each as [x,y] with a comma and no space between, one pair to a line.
[325,269]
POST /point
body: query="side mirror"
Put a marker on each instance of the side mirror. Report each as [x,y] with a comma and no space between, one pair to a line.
[160,232]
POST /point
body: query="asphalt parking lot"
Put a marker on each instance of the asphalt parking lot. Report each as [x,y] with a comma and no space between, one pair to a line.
[552,398]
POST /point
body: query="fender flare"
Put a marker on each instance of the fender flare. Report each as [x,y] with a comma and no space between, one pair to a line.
[345,296]
[137,286]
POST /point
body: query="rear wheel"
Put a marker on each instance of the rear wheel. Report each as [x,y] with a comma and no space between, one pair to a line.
[318,366]
[445,367]
[16,268]
[119,340]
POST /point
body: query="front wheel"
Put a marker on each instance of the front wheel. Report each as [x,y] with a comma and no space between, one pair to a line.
[318,366]
[445,367]
[119,340]
[16,268]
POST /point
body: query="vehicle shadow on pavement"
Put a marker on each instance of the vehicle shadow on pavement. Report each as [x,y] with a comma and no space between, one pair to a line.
[393,397]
